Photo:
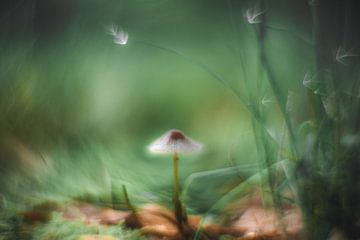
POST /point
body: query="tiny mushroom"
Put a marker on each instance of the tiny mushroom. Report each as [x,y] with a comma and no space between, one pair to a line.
[175,142]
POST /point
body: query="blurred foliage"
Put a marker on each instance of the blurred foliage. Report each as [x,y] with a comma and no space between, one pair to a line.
[79,110]
[275,102]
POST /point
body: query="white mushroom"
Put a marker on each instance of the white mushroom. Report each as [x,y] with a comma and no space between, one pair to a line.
[175,142]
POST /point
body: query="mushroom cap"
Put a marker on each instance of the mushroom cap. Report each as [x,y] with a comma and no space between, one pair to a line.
[174,141]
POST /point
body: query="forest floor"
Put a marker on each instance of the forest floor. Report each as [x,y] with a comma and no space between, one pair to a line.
[156,222]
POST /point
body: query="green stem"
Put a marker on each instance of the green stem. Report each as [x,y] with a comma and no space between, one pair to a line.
[127,200]
[176,201]
[176,177]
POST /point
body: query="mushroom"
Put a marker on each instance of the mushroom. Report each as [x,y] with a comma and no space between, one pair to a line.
[175,142]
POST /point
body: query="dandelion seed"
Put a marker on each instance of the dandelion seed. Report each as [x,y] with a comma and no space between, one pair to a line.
[266,100]
[309,81]
[252,15]
[119,35]
[329,104]
[341,54]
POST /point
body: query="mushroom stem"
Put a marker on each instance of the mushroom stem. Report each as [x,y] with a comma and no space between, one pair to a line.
[177,203]
[176,176]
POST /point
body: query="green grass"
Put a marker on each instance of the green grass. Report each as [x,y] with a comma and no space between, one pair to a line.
[58,229]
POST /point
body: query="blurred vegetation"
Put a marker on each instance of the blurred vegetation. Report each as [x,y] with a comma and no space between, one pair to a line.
[59,229]
[275,103]
[81,110]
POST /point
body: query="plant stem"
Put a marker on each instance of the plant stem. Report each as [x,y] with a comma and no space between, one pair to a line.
[176,201]
[176,177]
[127,200]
